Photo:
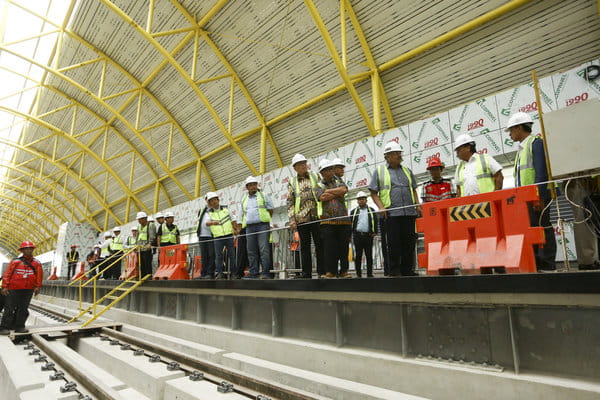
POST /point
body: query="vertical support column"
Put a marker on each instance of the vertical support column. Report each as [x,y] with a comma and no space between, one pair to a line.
[276,318]
[403,336]
[200,309]
[159,305]
[513,340]
[180,305]
[236,314]
[339,324]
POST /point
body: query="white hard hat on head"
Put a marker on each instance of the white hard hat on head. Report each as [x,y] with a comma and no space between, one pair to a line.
[298,158]
[141,214]
[518,119]
[150,218]
[169,214]
[338,161]
[251,179]
[463,139]
[107,234]
[391,147]
[361,194]
[134,229]
[210,195]
[159,215]
[325,163]
[117,229]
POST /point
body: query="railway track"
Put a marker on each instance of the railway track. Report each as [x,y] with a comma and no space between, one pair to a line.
[100,362]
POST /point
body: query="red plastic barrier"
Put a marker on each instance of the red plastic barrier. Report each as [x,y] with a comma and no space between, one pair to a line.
[480,232]
[172,263]
[80,272]
[197,267]
[131,266]
[53,277]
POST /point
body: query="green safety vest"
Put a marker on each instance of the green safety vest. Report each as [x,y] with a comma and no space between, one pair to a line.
[485,181]
[524,163]
[226,227]
[263,213]
[385,184]
[142,233]
[314,182]
[116,243]
[131,240]
[169,236]
[104,252]
[370,213]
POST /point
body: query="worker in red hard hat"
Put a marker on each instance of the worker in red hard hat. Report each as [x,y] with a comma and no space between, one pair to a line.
[21,280]
[438,188]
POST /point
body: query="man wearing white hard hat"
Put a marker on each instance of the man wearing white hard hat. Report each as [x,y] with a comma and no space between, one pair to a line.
[256,211]
[530,168]
[304,210]
[146,237]
[364,228]
[105,255]
[476,172]
[167,233]
[222,226]
[205,241]
[331,192]
[131,240]
[338,171]
[394,189]
[160,219]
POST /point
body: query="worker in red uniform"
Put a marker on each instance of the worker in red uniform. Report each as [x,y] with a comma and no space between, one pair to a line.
[21,280]
[437,188]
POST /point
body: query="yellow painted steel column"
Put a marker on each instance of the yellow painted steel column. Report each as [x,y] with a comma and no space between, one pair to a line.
[263,150]
[338,64]
[343,34]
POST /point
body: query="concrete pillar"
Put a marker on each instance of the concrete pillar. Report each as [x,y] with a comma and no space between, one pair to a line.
[236,314]
[276,318]
[339,324]
[200,309]
[179,311]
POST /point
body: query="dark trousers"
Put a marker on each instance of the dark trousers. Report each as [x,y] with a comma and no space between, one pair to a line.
[225,243]
[385,253]
[207,252]
[401,242]
[363,241]
[146,262]
[114,272]
[306,231]
[347,235]
[544,256]
[333,239]
[242,261]
[71,269]
[15,309]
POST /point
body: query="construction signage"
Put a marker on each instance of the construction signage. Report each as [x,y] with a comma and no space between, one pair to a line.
[470,211]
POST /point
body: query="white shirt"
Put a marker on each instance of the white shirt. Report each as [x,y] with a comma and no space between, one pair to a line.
[205,230]
[470,186]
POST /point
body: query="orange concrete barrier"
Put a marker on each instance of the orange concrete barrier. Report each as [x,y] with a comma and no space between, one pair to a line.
[131,266]
[197,267]
[80,272]
[480,233]
[53,277]
[172,262]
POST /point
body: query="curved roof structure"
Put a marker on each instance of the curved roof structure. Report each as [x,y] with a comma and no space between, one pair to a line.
[110,107]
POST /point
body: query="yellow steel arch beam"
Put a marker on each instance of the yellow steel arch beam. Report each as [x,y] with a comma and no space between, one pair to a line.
[90,189]
[27,218]
[339,65]
[376,83]
[171,60]
[54,186]
[233,73]
[64,135]
[142,86]
[17,231]
[12,243]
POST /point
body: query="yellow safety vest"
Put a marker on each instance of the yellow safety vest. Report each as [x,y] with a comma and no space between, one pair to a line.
[485,180]
[131,240]
[370,214]
[169,236]
[263,213]
[385,184]
[116,243]
[72,256]
[314,181]
[224,218]
[524,163]
[104,252]
[142,233]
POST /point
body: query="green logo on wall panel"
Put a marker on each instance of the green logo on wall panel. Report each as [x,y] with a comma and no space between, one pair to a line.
[509,142]
[417,158]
